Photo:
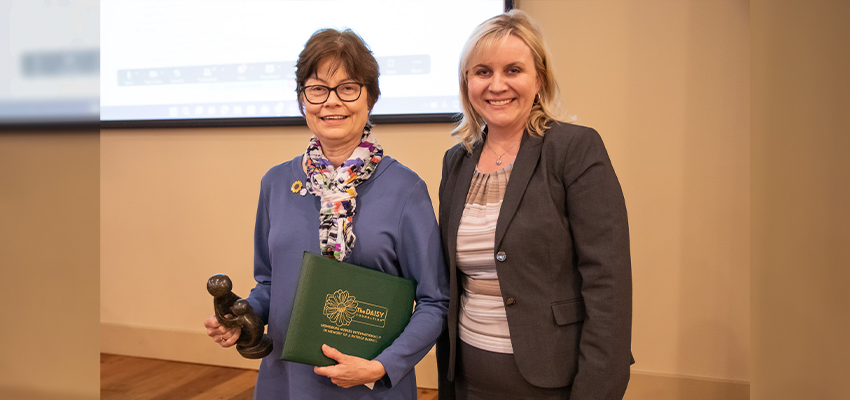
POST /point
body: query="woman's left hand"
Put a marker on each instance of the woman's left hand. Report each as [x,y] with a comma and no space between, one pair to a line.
[351,371]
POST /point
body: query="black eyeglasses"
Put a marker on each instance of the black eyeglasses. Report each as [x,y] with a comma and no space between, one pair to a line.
[318,94]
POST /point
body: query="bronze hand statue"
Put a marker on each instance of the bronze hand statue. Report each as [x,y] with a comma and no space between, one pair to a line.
[235,312]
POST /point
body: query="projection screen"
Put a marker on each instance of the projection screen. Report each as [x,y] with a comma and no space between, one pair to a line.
[231,63]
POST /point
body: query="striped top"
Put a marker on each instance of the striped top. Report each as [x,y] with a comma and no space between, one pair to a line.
[483,323]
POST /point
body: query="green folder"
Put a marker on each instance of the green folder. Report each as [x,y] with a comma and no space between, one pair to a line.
[356,310]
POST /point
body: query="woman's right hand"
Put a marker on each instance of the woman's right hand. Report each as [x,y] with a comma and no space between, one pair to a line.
[223,336]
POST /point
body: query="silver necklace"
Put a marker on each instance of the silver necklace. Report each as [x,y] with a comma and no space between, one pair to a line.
[499,156]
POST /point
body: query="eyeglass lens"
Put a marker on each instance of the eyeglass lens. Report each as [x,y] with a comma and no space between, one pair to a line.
[318,94]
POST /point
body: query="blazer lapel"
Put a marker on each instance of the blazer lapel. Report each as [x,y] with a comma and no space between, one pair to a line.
[462,182]
[524,165]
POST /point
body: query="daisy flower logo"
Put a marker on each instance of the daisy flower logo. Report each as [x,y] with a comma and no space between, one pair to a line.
[340,307]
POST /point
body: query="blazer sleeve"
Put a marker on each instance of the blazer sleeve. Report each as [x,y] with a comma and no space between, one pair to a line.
[596,211]
[446,387]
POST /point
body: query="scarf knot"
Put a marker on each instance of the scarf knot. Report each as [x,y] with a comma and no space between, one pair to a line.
[336,190]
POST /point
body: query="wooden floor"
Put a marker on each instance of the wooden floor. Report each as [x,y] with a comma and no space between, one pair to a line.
[133,378]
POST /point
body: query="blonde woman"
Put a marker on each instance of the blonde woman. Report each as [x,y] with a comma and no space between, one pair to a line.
[534,233]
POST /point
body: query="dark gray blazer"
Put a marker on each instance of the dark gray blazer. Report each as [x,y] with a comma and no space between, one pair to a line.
[562,256]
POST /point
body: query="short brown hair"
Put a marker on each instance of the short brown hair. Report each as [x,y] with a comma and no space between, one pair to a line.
[545,109]
[346,48]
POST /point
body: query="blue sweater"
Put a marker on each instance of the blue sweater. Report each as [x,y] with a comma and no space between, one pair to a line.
[396,233]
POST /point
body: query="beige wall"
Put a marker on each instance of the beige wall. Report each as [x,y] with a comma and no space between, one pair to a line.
[49,264]
[666,83]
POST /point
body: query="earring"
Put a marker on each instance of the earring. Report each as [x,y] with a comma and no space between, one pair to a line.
[537,98]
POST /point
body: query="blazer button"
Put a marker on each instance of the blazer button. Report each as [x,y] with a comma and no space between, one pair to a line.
[501,256]
[510,301]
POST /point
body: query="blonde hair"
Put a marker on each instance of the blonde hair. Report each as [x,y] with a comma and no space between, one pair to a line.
[545,109]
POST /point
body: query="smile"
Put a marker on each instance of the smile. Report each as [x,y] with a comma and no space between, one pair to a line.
[499,102]
[333,117]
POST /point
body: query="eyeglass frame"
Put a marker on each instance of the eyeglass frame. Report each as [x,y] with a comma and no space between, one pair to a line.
[333,89]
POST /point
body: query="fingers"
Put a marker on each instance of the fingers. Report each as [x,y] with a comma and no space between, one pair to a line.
[229,338]
[214,329]
[211,322]
[350,371]
[325,371]
[332,353]
[332,372]
[220,334]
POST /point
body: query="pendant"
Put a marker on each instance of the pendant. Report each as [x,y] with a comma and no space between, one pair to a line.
[499,161]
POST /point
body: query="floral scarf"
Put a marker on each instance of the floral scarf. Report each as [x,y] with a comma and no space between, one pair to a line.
[336,191]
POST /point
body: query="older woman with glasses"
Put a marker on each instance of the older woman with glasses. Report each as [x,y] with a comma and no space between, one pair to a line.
[535,233]
[345,199]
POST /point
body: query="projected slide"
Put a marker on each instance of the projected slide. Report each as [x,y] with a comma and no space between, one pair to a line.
[50,62]
[164,60]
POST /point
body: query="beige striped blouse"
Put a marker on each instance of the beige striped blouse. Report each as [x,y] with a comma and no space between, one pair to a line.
[483,323]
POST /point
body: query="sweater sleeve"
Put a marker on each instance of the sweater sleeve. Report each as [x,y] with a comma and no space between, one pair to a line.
[259,298]
[421,260]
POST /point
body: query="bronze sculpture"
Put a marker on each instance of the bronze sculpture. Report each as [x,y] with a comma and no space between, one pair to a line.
[234,312]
